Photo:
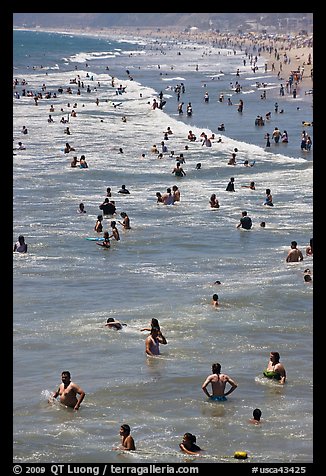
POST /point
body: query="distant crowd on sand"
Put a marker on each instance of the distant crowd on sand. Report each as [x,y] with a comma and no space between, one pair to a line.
[222,385]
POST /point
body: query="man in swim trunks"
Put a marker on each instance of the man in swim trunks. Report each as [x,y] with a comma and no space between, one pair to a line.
[275,369]
[218,382]
[68,392]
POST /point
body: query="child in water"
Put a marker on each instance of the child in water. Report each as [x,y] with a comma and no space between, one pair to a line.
[188,444]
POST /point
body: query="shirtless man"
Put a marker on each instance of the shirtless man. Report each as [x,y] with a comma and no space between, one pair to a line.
[294,254]
[218,382]
[275,369]
[127,441]
[68,392]
[153,341]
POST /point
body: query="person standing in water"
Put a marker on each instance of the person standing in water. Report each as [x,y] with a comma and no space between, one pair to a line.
[115,231]
[230,185]
[20,245]
[178,170]
[275,369]
[245,221]
[106,240]
[294,255]
[218,382]
[68,392]
[268,199]
[153,341]
[310,248]
[126,221]
[98,227]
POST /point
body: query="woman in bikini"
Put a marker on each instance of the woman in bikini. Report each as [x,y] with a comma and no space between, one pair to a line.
[275,370]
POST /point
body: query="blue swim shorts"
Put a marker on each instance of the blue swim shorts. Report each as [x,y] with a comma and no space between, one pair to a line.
[217,398]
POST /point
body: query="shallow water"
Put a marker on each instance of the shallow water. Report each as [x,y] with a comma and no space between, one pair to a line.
[164,267]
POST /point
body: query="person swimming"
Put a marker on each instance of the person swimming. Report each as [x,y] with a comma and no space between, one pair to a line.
[20,245]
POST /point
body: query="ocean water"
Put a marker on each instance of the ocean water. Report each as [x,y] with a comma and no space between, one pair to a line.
[166,265]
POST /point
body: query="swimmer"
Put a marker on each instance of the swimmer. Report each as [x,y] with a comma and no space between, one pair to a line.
[106,242]
[124,190]
[68,392]
[178,170]
[232,160]
[215,300]
[154,323]
[20,245]
[307,278]
[230,185]
[113,324]
[245,221]
[126,221]
[218,382]
[153,341]
[81,208]
[98,227]
[269,199]
[188,444]
[256,417]
[294,255]
[251,186]
[127,441]
[275,370]
[309,249]
[115,231]
[176,194]
[213,201]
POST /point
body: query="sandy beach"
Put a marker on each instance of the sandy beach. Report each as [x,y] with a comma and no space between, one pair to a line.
[298,49]
[295,52]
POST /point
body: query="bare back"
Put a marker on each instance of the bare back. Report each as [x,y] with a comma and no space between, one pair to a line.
[294,256]
[218,383]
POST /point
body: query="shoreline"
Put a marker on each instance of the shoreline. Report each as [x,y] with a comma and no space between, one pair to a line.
[287,53]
